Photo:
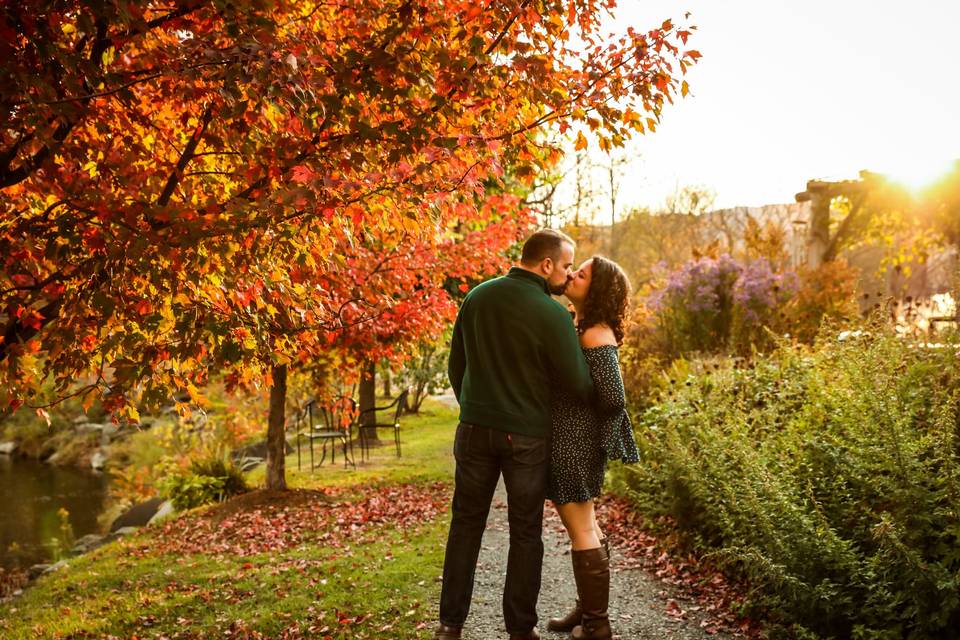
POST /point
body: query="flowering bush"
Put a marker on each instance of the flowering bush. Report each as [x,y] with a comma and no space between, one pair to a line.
[694,311]
[759,297]
[719,304]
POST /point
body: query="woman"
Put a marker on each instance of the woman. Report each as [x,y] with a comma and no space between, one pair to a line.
[584,437]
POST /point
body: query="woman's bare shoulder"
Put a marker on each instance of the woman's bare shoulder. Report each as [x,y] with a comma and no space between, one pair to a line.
[597,336]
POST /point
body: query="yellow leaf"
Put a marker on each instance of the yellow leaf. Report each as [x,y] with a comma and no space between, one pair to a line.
[68,28]
[409,224]
[88,399]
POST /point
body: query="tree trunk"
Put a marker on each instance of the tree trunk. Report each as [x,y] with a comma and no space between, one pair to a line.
[368,400]
[276,440]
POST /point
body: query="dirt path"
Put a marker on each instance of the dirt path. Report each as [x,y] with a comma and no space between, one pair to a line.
[640,605]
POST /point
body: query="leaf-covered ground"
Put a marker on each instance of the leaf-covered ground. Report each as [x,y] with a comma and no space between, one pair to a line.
[262,522]
[710,597]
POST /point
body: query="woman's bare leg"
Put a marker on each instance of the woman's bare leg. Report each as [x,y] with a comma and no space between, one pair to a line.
[580,522]
[596,527]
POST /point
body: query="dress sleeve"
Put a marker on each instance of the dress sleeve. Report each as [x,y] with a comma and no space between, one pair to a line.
[616,430]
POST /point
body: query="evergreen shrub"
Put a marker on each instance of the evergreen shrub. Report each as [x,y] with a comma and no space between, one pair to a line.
[206,480]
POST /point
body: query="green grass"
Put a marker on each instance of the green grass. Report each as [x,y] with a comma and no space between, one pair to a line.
[389,580]
[427,455]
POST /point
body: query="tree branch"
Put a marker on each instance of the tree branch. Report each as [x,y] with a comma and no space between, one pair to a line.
[185,157]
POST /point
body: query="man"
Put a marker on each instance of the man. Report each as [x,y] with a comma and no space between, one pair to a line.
[511,343]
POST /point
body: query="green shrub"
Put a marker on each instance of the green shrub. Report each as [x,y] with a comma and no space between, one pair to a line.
[829,477]
[224,468]
[210,479]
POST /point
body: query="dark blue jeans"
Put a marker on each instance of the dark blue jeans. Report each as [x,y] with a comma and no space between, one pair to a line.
[482,455]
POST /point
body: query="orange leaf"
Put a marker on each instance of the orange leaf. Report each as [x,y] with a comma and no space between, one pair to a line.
[581,142]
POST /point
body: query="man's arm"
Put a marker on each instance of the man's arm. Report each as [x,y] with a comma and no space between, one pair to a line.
[566,356]
[457,362]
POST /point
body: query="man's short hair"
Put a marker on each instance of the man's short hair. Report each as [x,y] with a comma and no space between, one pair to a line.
[544,243]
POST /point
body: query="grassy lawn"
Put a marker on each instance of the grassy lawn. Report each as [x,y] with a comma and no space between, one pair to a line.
[427,448]
[380,584]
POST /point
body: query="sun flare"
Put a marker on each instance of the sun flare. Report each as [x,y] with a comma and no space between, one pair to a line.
[919,173]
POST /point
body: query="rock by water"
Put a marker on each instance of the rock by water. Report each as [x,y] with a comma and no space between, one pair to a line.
[138,515]
[88,543]
[166,510]
[98,460]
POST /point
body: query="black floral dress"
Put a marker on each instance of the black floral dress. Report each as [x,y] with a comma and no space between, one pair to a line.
[584,437]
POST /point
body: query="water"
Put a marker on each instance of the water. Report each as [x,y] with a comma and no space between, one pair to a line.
[31,494]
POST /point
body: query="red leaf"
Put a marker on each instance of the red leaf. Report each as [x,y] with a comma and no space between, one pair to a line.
[302,174]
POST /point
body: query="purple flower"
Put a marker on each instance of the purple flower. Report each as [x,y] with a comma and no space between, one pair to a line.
[708,299]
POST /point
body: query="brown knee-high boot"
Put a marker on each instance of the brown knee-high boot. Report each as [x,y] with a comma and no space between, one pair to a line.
[572,619]
[591,570]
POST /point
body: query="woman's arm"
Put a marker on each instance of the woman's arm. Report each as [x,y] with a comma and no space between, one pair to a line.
[610,394]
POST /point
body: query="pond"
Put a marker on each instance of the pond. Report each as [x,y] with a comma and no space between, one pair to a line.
[31,496]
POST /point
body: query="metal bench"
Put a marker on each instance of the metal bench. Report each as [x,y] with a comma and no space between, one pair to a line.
[332,424]
[397,406]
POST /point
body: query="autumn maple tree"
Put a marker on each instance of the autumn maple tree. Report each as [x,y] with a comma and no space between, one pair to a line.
[190,187]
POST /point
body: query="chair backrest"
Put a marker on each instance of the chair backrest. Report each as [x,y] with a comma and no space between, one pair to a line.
[336,414]
[401,405]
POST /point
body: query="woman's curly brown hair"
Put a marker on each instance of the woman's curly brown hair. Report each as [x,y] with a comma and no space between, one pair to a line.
[607,297]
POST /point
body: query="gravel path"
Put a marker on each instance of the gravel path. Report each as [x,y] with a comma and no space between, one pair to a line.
[641,607]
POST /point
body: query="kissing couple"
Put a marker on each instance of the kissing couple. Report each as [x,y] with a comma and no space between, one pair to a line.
[542,403]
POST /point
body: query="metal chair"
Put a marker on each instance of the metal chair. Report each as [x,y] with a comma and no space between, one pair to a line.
[398,405]
[328,422]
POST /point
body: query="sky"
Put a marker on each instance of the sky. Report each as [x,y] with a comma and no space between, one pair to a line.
[788,91]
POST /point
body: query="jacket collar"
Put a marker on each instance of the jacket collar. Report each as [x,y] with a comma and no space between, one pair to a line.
[522,274]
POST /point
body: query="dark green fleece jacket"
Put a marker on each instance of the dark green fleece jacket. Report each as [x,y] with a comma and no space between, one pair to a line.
[512,343]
